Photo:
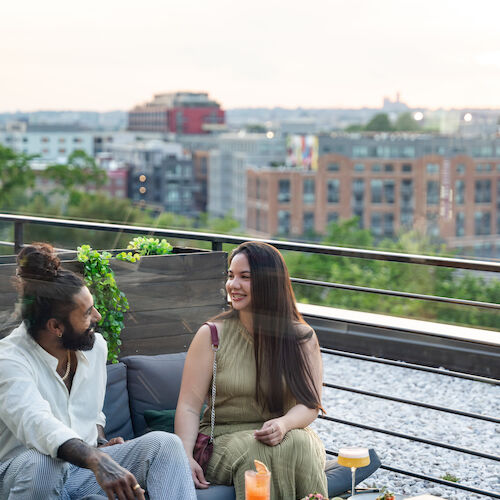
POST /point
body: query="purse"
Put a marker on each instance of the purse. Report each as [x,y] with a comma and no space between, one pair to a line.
[204,446]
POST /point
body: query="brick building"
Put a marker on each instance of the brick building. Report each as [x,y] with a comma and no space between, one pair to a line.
[179,113]
[445,187]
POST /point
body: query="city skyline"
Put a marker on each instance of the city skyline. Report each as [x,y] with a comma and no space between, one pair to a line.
[326,54]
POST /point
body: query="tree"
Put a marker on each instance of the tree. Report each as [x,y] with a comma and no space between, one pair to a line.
[379,123]
[406,123]
[15,174]
[81,171]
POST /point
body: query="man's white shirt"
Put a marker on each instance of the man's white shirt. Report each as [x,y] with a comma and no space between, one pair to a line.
[36,410]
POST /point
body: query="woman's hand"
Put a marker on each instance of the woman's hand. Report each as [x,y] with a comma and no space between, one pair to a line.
[198,477]
[272,432]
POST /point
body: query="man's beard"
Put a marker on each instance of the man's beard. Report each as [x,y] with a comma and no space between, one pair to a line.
[77,341]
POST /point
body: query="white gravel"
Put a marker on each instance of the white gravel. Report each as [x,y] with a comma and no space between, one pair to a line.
[451,392]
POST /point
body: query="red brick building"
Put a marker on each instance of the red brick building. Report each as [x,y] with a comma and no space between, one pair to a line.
[179,113]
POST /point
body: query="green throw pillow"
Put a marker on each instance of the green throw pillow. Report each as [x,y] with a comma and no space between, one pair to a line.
[162,420]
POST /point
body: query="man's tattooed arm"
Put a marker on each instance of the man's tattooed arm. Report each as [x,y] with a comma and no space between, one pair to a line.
[112,477]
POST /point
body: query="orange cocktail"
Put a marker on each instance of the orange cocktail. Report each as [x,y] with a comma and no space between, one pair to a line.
[258,484]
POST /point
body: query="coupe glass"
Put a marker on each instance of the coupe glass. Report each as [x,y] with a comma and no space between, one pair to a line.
[354,458]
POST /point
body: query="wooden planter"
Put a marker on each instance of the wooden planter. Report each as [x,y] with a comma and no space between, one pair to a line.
[170,296]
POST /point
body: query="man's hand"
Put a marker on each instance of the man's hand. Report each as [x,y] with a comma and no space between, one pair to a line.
[112,441]
[111,477]
[115,480]
[272,432]
[198,477]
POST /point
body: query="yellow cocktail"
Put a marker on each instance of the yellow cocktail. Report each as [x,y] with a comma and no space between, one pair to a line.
[353,458]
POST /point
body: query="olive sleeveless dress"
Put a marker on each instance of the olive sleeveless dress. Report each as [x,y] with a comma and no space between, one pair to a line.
[296,464]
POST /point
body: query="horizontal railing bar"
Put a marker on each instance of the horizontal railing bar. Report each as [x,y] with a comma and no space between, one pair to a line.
[433,479]
[430,260]
[402,364]
[438,444]
[477,416]
[395,293]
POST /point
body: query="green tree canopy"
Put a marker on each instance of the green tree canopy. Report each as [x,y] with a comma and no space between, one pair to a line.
[15,174]
[406,123]
[379,123]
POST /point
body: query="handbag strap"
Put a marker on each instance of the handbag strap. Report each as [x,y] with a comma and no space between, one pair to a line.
[215,348]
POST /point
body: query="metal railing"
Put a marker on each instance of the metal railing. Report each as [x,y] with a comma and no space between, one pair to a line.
[218,240]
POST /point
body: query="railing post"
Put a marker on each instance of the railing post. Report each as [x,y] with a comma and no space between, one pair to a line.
[18,236]
[216,246]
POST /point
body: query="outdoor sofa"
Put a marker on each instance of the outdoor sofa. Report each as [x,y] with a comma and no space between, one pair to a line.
[139,383]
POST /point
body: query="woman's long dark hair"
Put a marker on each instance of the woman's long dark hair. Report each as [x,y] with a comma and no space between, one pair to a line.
[279,355]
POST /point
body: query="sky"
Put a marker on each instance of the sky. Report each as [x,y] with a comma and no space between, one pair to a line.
[112,54]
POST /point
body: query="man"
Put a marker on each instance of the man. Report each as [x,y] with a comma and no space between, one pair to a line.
[52,387]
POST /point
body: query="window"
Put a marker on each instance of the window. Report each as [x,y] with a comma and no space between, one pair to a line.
[333,167]
[432,192]
[359,167]
[77,140]
[358,193]
[308,222]
[432,168]
[62,140]
[376,224]
[308,191]
[332,217]
[482,223]
[406,217]
[388,225]
[459,192]
[45,139]
[376,167]
[406,192]
[482,191]
[61,150]
[388,167]
[333,190]
[460,224]
[432,224]
[376,189]
[257,188]
[484,167]
[460,169]
[359,151]
[407,167]
[389,191]
[284,191]
[283,222]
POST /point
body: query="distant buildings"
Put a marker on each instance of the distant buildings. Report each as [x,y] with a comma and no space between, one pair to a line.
[446,187]
[178,113]
[160,174]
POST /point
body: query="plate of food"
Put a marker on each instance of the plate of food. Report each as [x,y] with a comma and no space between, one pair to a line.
[383,494]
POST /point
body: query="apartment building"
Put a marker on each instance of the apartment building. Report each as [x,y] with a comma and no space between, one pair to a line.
[179,113]
[446,187]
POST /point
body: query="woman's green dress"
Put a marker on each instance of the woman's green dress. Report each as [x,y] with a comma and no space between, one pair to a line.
[296,464]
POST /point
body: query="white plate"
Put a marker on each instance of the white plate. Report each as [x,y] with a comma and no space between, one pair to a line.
[373,496]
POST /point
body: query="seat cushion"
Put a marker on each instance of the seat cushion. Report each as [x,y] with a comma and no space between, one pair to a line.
[339,477]
[116,403]
[153,384]
[216,492]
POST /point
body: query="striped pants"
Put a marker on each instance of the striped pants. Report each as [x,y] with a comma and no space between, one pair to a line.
[157,460]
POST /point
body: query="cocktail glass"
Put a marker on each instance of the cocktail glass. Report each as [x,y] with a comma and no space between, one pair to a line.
[257,485]
[353,458]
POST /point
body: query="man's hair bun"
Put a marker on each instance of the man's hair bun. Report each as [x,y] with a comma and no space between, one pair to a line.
[38,261]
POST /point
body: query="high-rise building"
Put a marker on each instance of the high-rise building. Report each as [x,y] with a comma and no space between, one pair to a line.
[178,113]
[446,187]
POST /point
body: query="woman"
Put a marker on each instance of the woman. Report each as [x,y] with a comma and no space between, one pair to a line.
[269,379]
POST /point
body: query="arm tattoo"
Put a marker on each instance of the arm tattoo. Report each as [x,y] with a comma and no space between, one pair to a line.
[76,452]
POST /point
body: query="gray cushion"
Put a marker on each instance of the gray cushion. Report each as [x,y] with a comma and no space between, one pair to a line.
[217,492]
[153,383]
[339,478]
[116,403]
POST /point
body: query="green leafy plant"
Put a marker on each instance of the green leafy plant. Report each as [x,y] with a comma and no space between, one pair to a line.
[450,477]
[108,299]
[145,246]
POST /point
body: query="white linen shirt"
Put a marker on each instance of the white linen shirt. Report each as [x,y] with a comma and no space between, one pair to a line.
[36,409]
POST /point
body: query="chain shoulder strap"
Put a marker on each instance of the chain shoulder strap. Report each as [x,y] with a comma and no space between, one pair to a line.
[215,348]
